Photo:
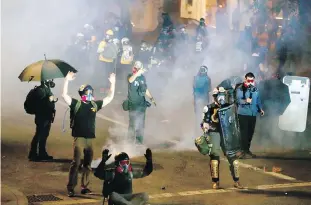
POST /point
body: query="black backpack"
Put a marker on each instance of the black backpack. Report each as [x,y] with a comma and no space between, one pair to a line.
[30,104]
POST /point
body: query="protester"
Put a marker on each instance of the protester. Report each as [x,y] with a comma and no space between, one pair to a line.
[83,116]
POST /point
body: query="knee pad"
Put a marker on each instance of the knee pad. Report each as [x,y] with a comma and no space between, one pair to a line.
[235,169]
[214,166]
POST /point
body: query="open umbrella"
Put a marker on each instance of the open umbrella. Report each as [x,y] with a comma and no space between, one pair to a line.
[46,70]
[275,96]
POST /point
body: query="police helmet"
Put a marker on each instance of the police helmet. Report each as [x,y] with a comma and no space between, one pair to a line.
[125,41]
[84,88]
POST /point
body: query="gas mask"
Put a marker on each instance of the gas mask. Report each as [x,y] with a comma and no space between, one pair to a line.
[123,164]
[49,83]
[220,96]
[86,93]
[88,96]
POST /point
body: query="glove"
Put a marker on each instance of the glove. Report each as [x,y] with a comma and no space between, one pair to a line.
[105,155]
[153,101]
[148,155]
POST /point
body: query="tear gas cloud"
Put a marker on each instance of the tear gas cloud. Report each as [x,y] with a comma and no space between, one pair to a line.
[32,28]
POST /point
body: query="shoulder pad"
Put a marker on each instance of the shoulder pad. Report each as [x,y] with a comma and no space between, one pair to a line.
[206,108]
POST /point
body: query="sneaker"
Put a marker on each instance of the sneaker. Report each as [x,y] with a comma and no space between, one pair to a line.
[71,193]
[215,185]
[86,191]
[251,154]
[238,185]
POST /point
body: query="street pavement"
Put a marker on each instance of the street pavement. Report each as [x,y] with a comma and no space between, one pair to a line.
[180,176]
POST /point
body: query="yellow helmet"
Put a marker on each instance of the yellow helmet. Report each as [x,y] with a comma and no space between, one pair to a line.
[109,32]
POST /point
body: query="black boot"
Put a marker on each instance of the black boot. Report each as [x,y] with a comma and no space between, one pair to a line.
[44,156]
[32,156]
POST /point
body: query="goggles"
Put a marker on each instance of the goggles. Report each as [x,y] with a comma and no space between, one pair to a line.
[250,81]
[124,162]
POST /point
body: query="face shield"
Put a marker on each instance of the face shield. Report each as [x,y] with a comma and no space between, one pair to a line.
[88,96]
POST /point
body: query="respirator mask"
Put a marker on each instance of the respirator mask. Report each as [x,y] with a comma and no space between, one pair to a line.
[49,83]
[88,96]
[123,164]
[220,96]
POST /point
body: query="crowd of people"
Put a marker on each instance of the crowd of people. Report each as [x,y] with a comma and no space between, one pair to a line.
[115,50]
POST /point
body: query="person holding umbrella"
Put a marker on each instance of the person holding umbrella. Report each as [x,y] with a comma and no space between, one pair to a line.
[40,101]
[44,117]
[83,114]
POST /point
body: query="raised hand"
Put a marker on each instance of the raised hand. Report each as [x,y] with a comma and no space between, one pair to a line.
[70,76]
[105,155]
[148,154]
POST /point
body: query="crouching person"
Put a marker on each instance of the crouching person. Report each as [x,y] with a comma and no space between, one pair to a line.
[118,187]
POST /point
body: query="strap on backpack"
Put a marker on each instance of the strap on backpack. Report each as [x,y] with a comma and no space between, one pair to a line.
[77,107]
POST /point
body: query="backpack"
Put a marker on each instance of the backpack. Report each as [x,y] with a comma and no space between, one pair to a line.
[76,109]
[110,51]
[31,102]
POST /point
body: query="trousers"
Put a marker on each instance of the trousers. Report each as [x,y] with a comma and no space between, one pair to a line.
[39,140]
[247,129]
[215,139]
[127,199]
[137,124]
[80,144]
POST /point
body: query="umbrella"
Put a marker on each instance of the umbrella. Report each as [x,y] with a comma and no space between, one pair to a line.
[275,96]
[46,70]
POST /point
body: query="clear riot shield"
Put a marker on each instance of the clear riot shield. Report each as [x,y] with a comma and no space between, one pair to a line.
[230,132]
[294,118]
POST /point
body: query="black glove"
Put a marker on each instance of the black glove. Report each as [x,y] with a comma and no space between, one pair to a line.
[105,155]
[148,155]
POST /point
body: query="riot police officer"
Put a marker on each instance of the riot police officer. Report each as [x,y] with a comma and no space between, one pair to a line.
[214,126]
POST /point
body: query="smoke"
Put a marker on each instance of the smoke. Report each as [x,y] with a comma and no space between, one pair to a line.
[32,28]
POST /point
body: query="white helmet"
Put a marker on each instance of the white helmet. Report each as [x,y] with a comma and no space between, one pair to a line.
[80,35]
[116,41]
[88,26]
[138,65]
[125,41]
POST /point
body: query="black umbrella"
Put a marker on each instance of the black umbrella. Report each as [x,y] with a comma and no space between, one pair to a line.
[46,70]
[275,96]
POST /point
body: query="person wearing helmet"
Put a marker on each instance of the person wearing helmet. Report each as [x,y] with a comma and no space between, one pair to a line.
[108,52]
[82,121]
[144,53]
[118,180]
[44,117]
[127,55]
[136,102]
[201,89]
[230,85]
[212,126]
[89,36]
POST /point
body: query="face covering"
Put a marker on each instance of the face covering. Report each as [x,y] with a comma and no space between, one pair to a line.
[88,96]
[50,84]
[124,167]
[221,99]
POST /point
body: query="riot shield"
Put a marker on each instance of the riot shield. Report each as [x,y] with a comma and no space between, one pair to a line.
[294,118]
[230,132]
